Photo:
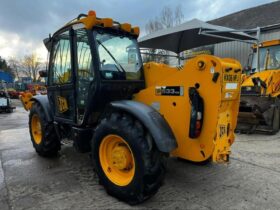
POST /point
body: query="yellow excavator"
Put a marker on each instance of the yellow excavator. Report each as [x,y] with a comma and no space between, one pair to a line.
[131,116]
[260,91]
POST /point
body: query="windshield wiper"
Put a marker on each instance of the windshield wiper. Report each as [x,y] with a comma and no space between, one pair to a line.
[120,70]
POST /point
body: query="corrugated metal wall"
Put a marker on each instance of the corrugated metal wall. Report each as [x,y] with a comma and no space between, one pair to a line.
[236,50]
[239,50]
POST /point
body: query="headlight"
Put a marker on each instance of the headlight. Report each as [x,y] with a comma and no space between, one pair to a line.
[248,88]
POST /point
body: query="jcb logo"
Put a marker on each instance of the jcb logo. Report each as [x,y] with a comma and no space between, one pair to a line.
[62,104]
[223,130]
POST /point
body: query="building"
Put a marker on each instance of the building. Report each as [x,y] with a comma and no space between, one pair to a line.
[25,80]
[266,16]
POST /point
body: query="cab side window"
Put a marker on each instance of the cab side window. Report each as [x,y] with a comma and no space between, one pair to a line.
[85,71]
[61,60]
[85,68]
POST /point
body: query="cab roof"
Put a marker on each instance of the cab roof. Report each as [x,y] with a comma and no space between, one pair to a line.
[90,20]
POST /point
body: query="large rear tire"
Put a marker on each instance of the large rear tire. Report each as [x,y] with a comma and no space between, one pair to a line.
[10,110]
[275,120]
[126,159]
[42,132]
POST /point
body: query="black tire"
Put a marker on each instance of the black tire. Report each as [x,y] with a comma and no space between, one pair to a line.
[275,121]
[50,144]
[150,163]
[202,163]
[9,110]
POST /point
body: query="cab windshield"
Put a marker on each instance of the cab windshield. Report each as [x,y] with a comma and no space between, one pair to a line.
[118,55]
[269,58]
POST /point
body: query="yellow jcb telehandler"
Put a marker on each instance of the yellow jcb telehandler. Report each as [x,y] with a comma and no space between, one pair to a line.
[260,91]
[131,116]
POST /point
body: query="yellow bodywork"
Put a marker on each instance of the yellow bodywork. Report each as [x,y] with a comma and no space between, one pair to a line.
[26,96]
[270,77]
[221,102]
[268,43]
[25,99]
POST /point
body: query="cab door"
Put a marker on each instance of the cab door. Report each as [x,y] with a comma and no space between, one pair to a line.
[85,74]
[61,85]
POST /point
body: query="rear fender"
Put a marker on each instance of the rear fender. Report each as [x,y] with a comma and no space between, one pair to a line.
[152,120]
[44,103]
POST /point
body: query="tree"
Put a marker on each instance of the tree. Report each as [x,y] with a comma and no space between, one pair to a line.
[5,67]
[15,66]
[153,25]
[3,63]
[168,18]
[179,16]
[31,66]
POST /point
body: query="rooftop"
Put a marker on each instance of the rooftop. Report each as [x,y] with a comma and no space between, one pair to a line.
[260,16]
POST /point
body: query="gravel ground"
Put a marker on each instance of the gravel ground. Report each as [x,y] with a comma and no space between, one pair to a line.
[27,181]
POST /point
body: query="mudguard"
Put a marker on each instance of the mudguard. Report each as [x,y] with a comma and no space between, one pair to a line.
[44,102]
[152,120]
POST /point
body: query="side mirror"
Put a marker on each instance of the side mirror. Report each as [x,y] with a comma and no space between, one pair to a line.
[48,43]
[246,70]
[253,70]
[43,73]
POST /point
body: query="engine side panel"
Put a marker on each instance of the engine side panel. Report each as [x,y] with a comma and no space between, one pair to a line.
[218,82]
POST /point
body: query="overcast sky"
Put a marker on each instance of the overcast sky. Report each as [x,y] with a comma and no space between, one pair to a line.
[25,23]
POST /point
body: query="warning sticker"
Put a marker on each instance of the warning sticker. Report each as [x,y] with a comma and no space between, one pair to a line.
[231,78]
[231,86]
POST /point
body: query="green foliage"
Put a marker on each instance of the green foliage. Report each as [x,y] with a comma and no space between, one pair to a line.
[3,64]
[5,67]
[168,17]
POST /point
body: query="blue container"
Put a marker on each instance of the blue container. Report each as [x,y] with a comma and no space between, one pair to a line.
[6,77]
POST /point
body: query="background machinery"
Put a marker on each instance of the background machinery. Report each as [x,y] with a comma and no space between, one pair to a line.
[31,90]
[129,115]
[5,101]
[260,91]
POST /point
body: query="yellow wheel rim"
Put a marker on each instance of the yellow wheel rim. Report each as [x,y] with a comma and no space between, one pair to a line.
[116,159]
[36,129]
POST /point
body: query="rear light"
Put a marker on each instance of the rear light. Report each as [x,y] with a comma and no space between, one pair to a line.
[196,116]
[198,124]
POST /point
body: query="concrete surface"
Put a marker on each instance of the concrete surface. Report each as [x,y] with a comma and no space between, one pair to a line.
[27,181]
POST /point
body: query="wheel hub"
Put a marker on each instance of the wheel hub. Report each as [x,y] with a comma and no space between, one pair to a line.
[121,157]
[36,129]
[116,159]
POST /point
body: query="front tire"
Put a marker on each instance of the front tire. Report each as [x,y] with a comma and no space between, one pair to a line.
[9,110]
[126,159]
[42,132]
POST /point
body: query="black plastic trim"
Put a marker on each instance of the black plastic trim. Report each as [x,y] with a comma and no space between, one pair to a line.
[44,102]
[152,120]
